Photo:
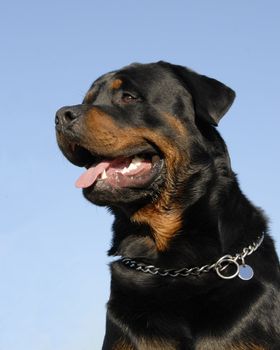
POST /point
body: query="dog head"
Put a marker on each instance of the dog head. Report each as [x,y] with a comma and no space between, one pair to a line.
[146,136]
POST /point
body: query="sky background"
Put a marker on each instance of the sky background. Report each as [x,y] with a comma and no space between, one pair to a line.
[54,278]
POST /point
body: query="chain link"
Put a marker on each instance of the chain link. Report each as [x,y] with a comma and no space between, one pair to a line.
[219,266]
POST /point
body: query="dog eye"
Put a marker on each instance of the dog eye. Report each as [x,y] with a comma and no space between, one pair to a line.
[128,97]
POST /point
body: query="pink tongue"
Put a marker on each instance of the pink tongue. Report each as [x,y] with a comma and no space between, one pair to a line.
[88,178]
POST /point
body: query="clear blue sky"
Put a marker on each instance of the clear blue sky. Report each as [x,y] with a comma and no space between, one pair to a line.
[54,279]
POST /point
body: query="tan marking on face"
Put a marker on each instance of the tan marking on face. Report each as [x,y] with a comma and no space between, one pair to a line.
[116,84]
[104,136]
[89,96]
[164,215]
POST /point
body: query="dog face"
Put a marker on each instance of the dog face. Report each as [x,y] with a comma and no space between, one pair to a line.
[144,133]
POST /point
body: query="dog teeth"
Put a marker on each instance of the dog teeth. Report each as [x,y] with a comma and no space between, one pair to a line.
[104,175]
[125,170]
[135,163]
[137,160]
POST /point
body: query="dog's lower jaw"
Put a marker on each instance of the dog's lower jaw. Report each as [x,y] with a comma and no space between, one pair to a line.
[127,200]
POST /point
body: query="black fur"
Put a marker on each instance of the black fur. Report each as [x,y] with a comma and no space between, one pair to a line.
[197,312]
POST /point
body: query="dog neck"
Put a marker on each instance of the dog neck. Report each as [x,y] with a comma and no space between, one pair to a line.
[206,234]
[237,261]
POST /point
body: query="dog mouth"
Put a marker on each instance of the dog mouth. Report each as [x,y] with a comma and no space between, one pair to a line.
[138,170]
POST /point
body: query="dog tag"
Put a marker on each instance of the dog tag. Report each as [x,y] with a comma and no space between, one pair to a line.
[245,272]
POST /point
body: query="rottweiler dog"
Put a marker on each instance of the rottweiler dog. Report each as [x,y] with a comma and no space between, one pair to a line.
[196,267]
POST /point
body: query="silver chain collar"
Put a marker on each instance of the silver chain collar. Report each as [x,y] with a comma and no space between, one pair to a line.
[237,262]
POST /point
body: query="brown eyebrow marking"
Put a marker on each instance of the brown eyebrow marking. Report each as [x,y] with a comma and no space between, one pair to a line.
[116,84]
[89,97]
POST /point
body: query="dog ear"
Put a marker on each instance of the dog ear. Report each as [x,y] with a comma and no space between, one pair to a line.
[211,98]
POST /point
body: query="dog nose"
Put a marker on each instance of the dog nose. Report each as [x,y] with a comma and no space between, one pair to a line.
[65,115]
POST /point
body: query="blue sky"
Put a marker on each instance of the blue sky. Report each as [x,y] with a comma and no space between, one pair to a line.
[53,265]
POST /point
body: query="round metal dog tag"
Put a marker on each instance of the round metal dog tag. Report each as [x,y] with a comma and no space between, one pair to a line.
[245,272]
